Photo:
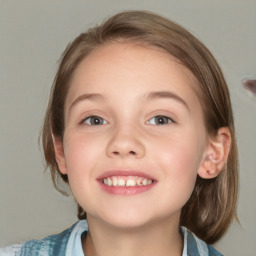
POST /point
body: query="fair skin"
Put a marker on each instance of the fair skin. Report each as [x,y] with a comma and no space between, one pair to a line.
[132,116]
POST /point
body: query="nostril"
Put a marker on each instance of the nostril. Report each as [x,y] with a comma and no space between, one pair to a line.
[117,153]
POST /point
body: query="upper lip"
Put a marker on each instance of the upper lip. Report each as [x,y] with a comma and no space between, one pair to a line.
[124,173]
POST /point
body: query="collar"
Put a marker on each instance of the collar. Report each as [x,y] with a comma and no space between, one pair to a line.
[193,246]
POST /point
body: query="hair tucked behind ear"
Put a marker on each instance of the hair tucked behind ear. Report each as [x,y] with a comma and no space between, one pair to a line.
[212,205]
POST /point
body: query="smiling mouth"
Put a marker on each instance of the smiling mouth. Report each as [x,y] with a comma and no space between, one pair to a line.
[127,181]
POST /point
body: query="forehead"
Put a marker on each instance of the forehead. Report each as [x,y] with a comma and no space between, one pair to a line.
[131,67]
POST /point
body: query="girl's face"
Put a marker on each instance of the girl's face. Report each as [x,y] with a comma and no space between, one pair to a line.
[134,122]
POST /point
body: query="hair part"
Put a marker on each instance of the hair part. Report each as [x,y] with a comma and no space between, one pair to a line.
[212,205]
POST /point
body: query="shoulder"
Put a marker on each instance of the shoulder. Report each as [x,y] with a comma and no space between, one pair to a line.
[50,245]
[12,250]
[193,246]
[213,252]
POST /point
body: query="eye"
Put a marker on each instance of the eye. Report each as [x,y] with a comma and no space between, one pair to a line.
[160,120]
[94,120]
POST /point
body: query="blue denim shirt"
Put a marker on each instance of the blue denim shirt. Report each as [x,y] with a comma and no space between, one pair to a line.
[68,243]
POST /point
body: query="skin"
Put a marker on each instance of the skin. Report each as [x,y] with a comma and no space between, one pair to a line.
[125,78]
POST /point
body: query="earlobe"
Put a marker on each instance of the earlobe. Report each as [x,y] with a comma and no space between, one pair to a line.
[216,154]
[59,154]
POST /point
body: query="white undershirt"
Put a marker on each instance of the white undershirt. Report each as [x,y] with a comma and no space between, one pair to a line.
[74,246]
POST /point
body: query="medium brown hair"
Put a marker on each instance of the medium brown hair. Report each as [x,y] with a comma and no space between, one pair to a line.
[212,205]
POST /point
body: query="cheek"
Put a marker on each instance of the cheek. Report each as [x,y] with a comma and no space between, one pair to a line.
[179,160]
[82,154]
[182,152]
[183,168]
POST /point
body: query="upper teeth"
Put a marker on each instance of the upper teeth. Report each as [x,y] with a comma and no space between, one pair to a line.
[129,181]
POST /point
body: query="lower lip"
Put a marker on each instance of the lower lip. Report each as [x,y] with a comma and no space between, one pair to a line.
[118,190]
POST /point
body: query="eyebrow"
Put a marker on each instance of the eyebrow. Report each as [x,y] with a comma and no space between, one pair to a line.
[167,95]
[150,96]
[83,97]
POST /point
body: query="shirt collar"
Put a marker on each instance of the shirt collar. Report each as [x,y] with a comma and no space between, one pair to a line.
[192,245]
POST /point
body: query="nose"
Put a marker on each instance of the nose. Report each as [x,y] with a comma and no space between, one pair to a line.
[126,143]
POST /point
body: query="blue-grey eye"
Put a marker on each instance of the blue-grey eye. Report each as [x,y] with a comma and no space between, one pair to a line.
[95,120]
[160,120]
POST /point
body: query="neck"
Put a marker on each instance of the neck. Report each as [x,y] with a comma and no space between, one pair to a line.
[148,240]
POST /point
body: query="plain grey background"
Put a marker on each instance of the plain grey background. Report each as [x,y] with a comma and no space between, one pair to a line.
[33,34]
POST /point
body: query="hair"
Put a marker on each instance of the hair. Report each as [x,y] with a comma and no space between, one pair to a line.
[212,205]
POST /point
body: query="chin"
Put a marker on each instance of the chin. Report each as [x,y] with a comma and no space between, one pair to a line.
[124,219]
[128,224]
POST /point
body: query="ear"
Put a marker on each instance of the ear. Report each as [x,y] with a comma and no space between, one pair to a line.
[59,154]
[216,154]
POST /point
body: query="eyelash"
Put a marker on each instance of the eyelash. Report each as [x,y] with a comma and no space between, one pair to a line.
[98,118]
[159,120]
[162,120]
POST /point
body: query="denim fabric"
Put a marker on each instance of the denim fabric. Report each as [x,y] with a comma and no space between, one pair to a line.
[68,243]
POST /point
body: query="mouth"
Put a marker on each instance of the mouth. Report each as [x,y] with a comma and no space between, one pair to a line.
[126,182]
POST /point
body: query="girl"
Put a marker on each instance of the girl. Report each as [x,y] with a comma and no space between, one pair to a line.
[140,125]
